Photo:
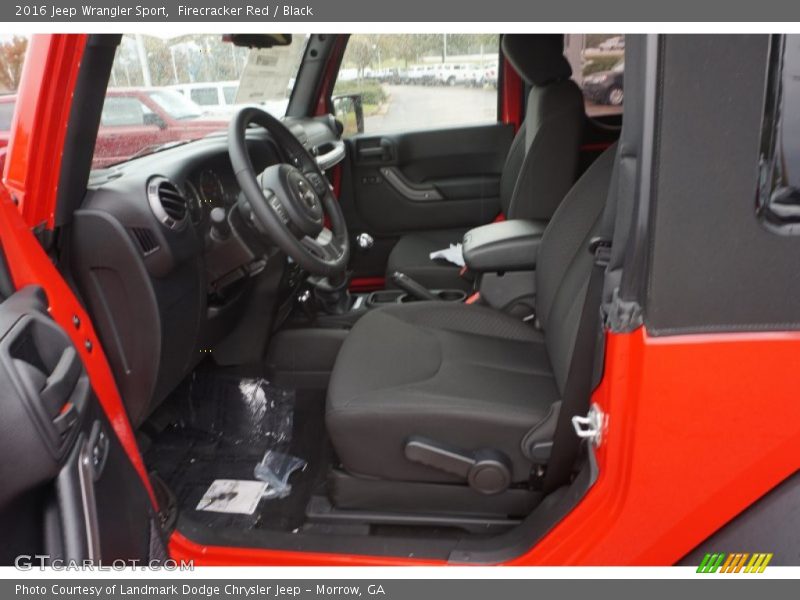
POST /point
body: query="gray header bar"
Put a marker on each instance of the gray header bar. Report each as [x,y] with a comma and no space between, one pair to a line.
[732,587]
[452,11]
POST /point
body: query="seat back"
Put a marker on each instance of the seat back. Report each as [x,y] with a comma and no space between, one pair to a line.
[542,162]
[564,262]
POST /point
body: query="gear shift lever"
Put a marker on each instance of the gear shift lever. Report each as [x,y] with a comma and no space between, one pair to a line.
[412,287]
[332,294]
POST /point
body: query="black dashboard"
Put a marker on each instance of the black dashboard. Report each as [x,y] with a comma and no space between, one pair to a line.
[163,290]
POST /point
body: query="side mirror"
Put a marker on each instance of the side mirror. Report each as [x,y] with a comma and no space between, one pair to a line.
[349,110]
[154,119]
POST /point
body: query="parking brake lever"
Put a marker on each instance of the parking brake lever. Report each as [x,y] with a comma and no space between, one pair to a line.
[412,287]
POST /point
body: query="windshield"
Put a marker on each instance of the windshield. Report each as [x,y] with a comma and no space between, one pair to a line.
[175,104]
[167,90]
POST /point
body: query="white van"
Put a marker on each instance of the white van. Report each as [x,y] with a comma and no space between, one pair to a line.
[219,98]
[215,97]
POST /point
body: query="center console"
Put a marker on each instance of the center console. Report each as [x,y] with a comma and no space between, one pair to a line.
[501,255]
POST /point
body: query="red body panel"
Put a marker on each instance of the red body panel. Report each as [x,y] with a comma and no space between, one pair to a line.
[692,439]
[511,96]
[31,266]
[39,126]
[34,186]
[699,426]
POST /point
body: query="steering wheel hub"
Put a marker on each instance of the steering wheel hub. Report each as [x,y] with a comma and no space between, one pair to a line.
[297,197]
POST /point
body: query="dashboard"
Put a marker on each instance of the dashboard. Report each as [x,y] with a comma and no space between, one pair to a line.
[163,290]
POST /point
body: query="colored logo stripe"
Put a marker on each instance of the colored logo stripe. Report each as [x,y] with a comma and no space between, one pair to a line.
[735,562]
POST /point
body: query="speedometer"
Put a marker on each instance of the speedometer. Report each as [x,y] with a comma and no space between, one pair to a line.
[211,189]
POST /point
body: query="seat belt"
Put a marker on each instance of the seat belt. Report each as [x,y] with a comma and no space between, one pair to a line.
[578,388]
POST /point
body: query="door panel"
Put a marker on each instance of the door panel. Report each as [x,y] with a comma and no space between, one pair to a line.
[69,490]
[397,183]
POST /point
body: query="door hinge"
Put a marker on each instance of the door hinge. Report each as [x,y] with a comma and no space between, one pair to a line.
[591,426]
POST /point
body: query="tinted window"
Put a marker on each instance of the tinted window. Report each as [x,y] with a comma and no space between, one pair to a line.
[229,91]
[175,104]
[204,96]
[779,168]
[121,111]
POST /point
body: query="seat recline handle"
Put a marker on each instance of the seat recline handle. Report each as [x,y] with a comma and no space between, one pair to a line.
[487,471]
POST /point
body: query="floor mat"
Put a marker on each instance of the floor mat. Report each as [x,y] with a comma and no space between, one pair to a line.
[218,426]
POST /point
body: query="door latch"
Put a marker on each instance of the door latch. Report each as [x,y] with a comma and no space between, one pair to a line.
[591,426]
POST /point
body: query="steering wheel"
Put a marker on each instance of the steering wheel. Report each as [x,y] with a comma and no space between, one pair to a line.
[289,201]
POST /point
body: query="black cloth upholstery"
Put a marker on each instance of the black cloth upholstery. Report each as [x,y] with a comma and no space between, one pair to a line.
[466,375]
[412,254]
[541,165]
[538,58]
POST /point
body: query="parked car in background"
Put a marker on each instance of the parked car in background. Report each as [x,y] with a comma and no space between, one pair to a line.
[613,43]
[452,74]
[212,96]
[138,119]
[490,75]
[606,87]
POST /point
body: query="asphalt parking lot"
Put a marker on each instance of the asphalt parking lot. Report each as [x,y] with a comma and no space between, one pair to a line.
[427,107]
[411,107]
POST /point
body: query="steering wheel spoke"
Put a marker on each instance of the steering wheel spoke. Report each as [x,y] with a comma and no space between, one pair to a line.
[290,201]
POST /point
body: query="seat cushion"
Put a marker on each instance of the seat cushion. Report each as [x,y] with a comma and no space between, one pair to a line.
[412,256]
[464,375]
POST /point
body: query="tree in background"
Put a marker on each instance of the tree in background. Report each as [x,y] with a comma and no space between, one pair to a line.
[12,55]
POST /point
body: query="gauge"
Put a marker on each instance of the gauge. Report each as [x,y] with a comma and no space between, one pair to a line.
[195,203]
[211,189]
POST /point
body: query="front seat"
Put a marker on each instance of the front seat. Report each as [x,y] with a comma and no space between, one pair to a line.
[541,165]
[466,376]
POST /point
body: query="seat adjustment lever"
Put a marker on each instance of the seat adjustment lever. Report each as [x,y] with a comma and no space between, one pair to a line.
[487,471]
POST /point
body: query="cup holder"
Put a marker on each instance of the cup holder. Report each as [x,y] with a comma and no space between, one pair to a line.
[444,295]
[382,297]
[452,295]
[385,297]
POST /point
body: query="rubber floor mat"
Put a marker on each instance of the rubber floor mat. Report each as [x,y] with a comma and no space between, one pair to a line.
[219,427]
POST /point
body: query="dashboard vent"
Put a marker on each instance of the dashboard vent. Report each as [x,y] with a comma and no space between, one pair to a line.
[167,202]
[146,239]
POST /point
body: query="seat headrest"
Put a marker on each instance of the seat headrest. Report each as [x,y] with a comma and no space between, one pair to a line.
[538,58]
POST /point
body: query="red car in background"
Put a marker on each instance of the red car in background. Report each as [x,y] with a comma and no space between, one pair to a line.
[134,121]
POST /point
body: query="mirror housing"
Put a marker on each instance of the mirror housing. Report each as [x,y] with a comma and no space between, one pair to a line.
[258,40]
[154,119]
[343,106]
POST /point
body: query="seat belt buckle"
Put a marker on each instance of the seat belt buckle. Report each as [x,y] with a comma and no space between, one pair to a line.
[600,247]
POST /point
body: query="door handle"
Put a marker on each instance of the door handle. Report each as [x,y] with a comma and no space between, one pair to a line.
[382,152]
[62,381]
[371,152]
